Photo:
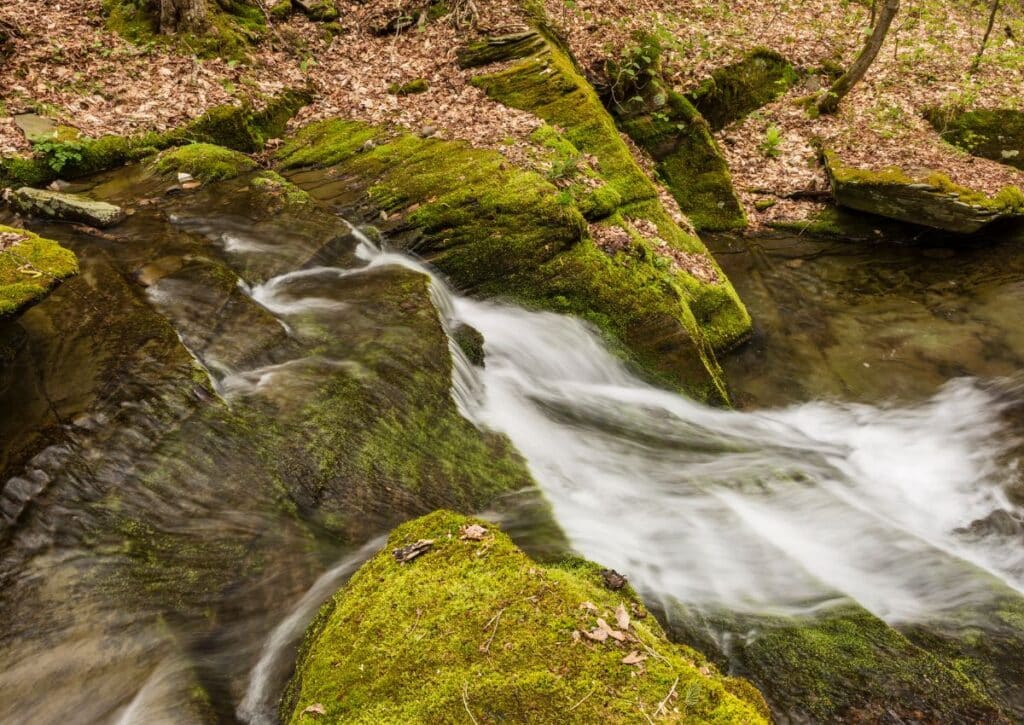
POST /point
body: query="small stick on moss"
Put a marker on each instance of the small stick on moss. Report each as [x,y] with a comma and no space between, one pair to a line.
[583,700]
[661,705]
[485,648]
[465,703]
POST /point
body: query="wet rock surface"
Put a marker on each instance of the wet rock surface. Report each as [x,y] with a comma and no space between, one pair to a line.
[62,206]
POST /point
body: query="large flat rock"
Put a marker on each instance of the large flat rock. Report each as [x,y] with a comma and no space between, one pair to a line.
[65,207]
[929,200]
[30,267]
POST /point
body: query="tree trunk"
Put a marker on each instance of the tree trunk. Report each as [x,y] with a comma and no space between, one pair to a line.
[984,40]
[830,101]
[182,16]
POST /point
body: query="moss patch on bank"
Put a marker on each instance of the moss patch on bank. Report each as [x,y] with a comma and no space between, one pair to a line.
[233,26]
[474,626]
[205,162]
[30,266]
[241,128]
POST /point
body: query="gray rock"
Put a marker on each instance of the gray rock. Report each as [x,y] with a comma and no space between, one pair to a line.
[65,207]
[894,194]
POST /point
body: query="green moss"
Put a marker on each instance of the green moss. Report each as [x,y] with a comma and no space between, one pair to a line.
[418,85]
[496,230]
[236,127]
[281,10]
[233,26]
[30,268]
[205,162]
[996,134]
[1009,200]
[471,342]
[477,626]
[738,89]
[277,192]
[843,664]
[666,125]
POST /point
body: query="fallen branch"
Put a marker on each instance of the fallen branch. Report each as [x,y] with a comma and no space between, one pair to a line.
[805,194]
[485,648]
[661,705]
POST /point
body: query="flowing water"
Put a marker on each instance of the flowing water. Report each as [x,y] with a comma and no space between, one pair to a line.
[146,550]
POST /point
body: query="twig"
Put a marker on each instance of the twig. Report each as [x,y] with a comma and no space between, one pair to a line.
[465,703]
[661,705]
[583,700]
[644,713]
[485,648]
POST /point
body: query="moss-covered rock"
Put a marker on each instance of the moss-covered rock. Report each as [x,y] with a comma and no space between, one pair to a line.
[496,230]
[738,89]
[240,127]
[547,83]
[470,342]
[996,134]
[319,10]
[30,267]
[203,161]
[666,125]
[474,626]
[417,85]
[842,664]
[930,200]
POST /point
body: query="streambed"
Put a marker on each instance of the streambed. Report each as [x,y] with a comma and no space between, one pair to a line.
[164,526]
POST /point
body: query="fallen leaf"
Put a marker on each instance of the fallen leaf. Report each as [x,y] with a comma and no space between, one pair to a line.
[589,606]
[621,617]
[472,532]
[612,579]
[596,634]
[633,658]
[315,709]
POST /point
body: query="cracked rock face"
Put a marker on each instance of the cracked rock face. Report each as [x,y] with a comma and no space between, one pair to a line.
[65,207]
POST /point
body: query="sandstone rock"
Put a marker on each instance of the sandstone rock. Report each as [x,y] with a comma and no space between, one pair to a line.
[65,207]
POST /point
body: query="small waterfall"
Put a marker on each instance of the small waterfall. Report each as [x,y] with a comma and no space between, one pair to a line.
[259,707]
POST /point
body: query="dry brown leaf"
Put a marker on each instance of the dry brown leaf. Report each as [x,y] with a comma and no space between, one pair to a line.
[472,532]
[633,658]
[621,617]
[315,709]
[597,634]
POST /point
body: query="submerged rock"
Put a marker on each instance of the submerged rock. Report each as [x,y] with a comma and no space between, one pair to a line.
[62,206]
[475,626]
[930,200]
[30,267]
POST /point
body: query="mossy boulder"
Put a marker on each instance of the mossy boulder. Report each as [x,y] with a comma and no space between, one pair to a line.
[61,206]
[840,664]
[473,628]
[929,199]
[736,90]
[666,125]
[30,267]
[496,230]
[996,134]
[203,161]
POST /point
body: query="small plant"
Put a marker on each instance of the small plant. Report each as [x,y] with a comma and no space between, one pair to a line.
[58,154]
[772,142]
[564,167]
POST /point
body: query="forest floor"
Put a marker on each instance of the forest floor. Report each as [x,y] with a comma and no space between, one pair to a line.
[67,65]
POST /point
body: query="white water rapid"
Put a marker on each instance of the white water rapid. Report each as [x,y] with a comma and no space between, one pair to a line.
[778,511]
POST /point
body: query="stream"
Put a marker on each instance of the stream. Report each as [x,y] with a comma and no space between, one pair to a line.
[152,548]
